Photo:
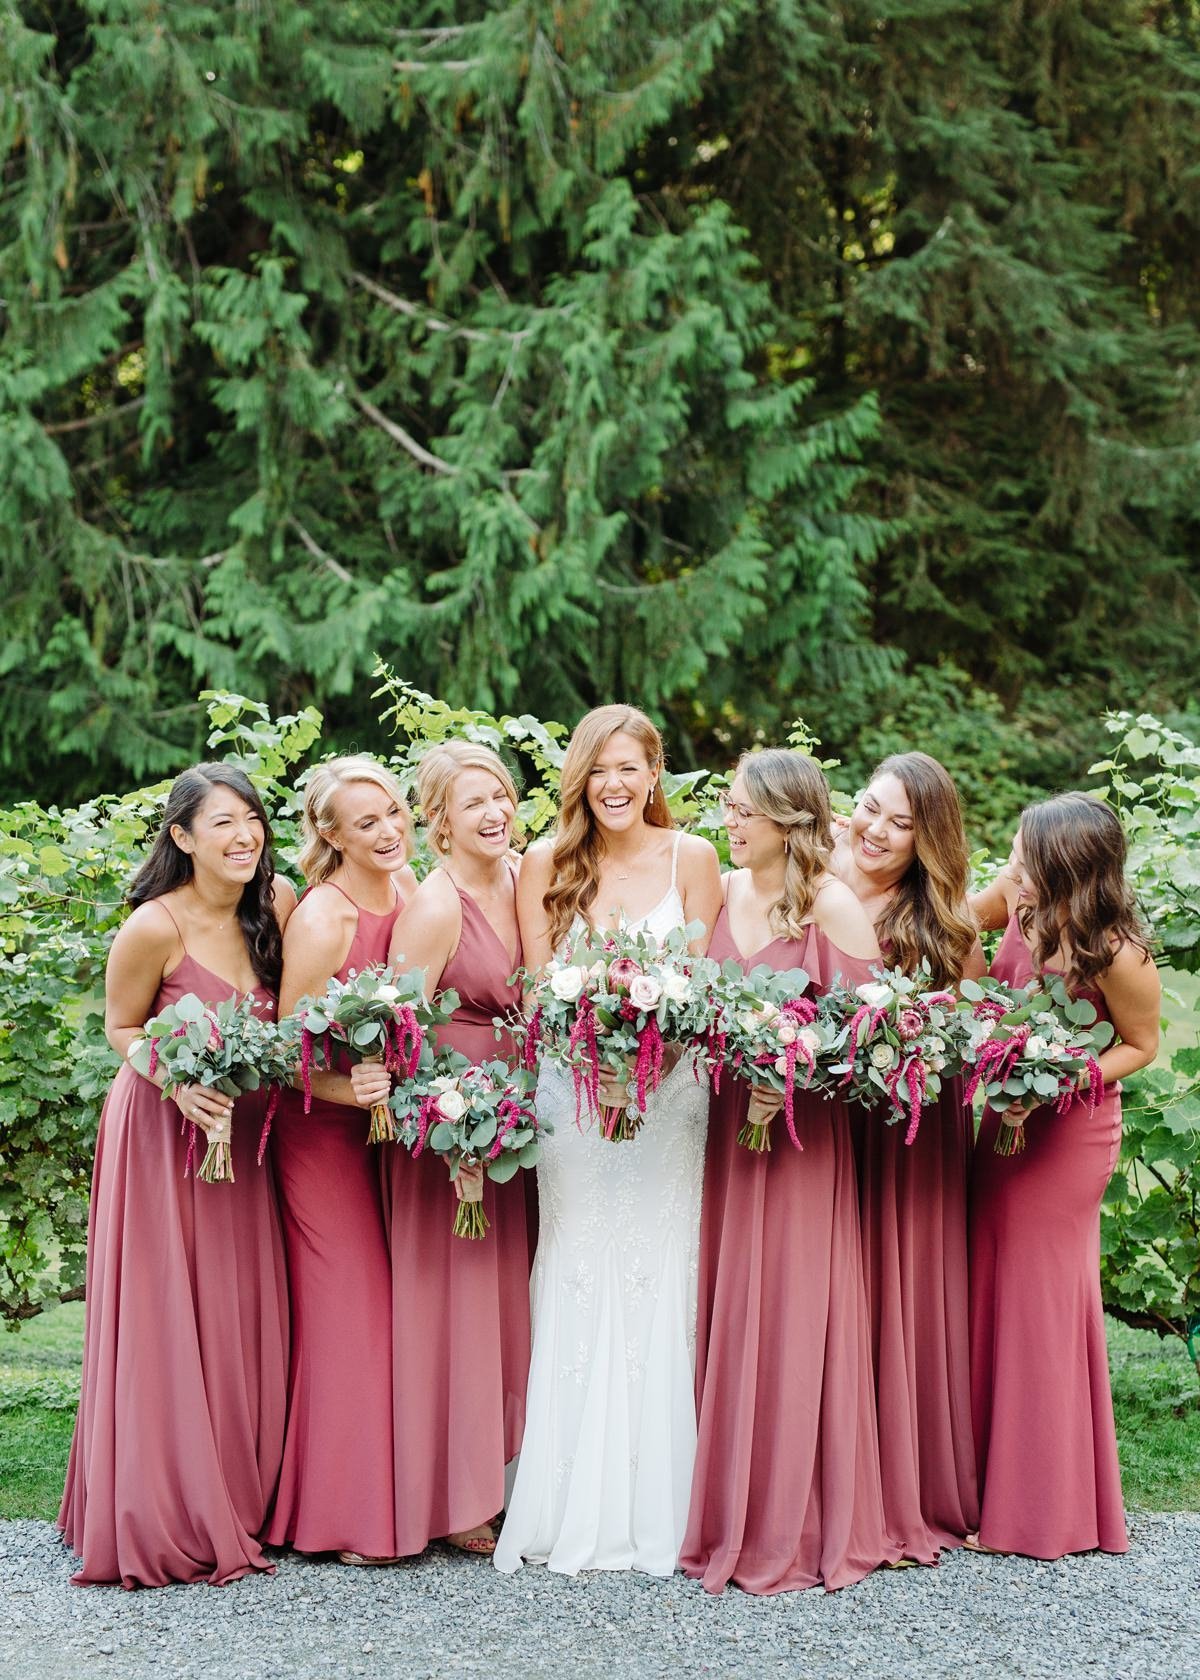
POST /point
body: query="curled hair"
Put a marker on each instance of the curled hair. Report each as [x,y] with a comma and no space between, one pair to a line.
[318,856]
[1074,856]
[788,787]
[440,769]
[927,921]
[578,843]
[168,867]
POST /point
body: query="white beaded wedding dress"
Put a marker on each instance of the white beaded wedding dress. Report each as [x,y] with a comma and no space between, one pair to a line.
[605,1471]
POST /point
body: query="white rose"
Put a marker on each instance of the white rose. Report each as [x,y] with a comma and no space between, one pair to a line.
[882,1056]
[567,983]
[1035,1046]
[677,988]
[810,1038]
[936,1044]
[452,1105]
[644,992]
[788,1033]
[598,970]
[871,992]
[935,1064]
[1055,1052]
[387,994]
[781,1064]
[750,1023]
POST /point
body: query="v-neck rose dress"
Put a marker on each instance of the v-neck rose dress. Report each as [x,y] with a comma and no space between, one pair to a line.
[336,1491]
[786,1492]
[460,1307]
[179,1432]
[1042,1401]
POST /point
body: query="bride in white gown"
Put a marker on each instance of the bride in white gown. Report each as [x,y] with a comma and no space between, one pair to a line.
[605,1471]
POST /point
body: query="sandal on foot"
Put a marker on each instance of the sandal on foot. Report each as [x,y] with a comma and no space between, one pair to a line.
[477,1545]
[359,1560]
[972,1543]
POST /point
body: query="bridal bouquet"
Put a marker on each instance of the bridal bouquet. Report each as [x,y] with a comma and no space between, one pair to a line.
[617,998]
[480,1118]
[377,1015]
[901,1040]
[765,1029]
[226,1046]
[1031,1043]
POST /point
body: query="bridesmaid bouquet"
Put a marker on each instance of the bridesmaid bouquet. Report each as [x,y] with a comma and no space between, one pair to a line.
[900,1039]
[377,1015]
[480,1118]
[1031,1043]
[618,998]
[765,1029]
[227,1047]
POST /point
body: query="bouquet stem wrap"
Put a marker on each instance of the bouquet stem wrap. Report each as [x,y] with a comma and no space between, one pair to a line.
[470,1221]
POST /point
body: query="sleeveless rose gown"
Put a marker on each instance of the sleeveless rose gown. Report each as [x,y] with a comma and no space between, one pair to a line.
[460,1307]
[336,1489]
[180,1426]
[913,1212]
[1040,1388]
[787,1489]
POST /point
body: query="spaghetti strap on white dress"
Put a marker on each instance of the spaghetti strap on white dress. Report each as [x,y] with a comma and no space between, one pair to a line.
[604,1476]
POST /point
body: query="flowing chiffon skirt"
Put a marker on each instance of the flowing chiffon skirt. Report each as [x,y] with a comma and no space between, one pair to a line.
[913,1210]
[179,1433]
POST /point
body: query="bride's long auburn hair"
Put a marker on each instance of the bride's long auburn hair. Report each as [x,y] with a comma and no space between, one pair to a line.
[578,843]
[927,920]
[1074,849]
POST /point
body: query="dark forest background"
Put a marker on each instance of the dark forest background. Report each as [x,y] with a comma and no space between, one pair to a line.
[745,359]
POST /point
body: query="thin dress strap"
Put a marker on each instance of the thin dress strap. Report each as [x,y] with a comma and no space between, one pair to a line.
[174,923]
[675,857]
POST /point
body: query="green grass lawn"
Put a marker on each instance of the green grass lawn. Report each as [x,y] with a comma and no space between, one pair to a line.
[1154,1386]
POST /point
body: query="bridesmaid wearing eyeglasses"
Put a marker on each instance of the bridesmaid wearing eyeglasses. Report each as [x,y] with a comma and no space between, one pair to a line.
[787,1490]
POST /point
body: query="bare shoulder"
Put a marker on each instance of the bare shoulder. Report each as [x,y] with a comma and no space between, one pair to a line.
[1132,973]
[842,919]
[698,858]
[324,920]
[283,897]
[406,882]
[148,935]
[537,863]
[435,901]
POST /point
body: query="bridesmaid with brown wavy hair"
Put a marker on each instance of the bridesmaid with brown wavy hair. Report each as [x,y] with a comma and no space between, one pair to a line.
[786,1491]
[904,854]
[1040,1391]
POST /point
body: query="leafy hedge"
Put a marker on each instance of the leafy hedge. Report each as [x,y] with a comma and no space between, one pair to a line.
[63,875]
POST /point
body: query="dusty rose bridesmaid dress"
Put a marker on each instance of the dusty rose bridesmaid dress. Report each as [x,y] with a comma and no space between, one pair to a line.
[335,1488]
[786,1492]
[913,1211]
[460,1307]
[180,1426]
[1040,1392]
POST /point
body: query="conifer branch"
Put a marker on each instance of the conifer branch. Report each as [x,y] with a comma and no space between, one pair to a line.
[406,65]
[415,312]
[317,552]
[57,427]
[405,439]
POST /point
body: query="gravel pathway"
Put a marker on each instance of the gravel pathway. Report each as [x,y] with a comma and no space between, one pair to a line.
[443,1615]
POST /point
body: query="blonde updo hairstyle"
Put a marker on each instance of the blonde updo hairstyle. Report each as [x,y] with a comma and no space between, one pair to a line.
[578,843]
[320,856]
[436,775]
[789,788]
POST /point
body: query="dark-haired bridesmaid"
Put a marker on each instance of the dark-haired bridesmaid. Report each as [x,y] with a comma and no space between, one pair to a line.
[336,1488]
[1042,1402]
[180,1427]
[904,855]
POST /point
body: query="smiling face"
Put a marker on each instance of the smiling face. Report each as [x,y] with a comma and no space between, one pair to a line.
[619,783]
[754,840]
[370,830]
[226,838]
[479,815]
[883,838]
